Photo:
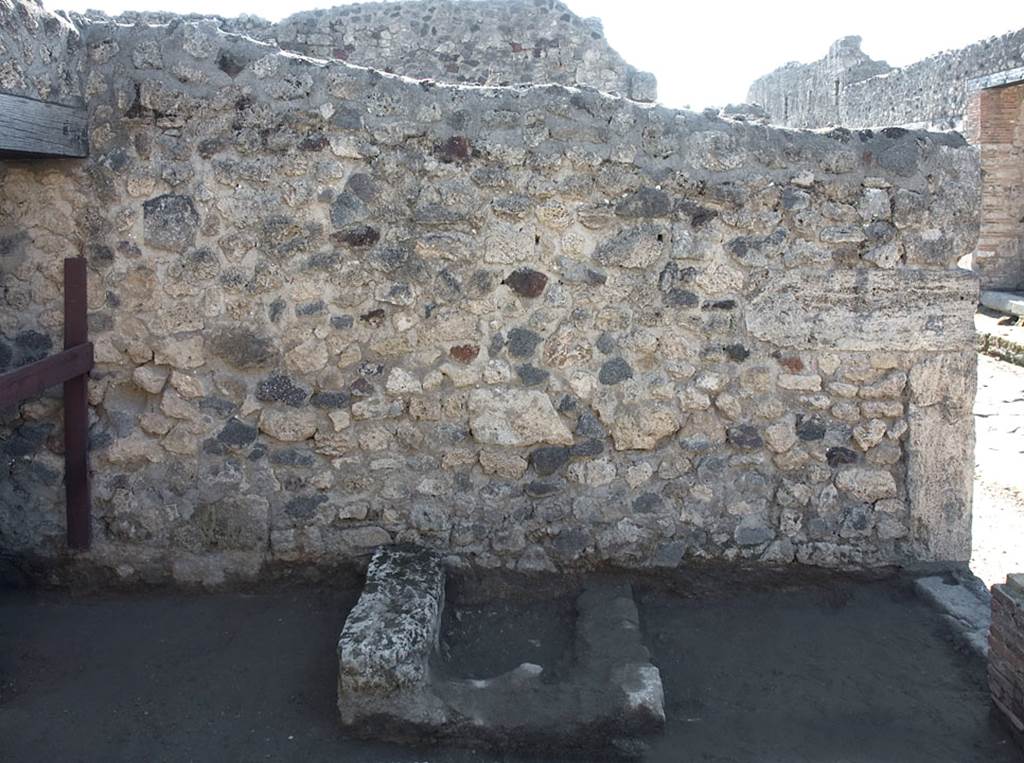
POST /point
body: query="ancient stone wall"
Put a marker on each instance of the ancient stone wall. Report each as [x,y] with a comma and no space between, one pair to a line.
[848,88]
[533,327]
[40,53]
[481,42]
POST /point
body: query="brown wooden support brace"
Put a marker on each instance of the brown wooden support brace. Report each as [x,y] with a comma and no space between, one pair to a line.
[70,368]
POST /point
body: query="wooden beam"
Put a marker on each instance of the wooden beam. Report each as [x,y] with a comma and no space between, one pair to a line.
[31,128]
[30,380]
[76,409]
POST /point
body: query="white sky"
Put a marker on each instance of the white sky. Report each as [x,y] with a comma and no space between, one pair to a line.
[707,53]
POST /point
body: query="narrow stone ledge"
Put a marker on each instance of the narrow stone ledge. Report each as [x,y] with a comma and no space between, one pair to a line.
[964,604]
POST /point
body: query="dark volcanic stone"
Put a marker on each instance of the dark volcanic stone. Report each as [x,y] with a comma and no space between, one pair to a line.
[217,405]
[736,352]
[615,371]
[810,428]
[27,439]
[587,448]
[292,457]
[304,506]
[170,222]
[567,404]
[280,389]
[374,318]
[549,460]
[362,388]
[526,282]
[539,489]
[745,436]
[310,308]
[531,376]
[647,503]
[241,347]
[522,342]
[587,425]
[647,202]
[357,236]
[753,536]
[840,456]
[229,65]
[605,343]
[5,356]
[237,433]
[276,309]
[33,345]
[342,321]
[681,298]
[330,399]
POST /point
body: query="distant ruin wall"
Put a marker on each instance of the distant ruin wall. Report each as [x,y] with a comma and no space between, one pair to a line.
[481,42]
[532,327]
[834,91]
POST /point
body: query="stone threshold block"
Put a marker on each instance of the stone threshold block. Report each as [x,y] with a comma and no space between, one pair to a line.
[1006,652]
[392,684]
[1010,303]
[964,604]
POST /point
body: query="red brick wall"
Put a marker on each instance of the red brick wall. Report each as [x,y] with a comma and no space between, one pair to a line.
[1006,650]
[995,122]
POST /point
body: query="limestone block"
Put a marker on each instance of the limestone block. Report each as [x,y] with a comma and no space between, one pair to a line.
[940,481]
[516,418]
[900,310]
[289,424]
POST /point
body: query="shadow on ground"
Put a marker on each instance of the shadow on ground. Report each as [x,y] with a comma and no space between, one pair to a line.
[849,672]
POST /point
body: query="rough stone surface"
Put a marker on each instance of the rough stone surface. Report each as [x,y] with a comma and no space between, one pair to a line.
[324,254]
[390,683]
[390,634]
[515,418]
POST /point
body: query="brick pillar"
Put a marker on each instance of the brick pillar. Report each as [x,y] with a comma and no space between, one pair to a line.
[995,122]
[1006,650]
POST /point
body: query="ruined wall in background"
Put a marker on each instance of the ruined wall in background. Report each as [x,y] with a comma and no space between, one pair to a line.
[532,327]
[995,123]
[489,42]
[931,92]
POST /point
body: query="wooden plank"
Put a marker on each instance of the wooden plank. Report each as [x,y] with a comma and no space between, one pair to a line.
[29,380]
[76,409]
[31,128]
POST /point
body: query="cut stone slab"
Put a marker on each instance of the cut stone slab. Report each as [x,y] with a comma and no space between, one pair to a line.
[1011,303]
[392,683]
[965,605]
[389,635]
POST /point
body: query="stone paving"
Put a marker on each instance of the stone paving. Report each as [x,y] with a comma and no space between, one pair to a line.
[998,527]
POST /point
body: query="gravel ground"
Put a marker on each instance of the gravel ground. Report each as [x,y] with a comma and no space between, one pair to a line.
[998,528]
[836,671]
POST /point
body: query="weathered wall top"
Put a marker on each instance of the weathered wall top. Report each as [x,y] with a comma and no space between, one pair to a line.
[848,88]
[482,42]
[40,53]
[536,327]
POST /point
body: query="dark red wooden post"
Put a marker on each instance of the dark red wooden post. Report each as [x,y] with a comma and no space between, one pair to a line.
[76,410]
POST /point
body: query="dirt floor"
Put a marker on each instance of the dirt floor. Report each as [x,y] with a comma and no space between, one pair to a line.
[998,522]
[843,671]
